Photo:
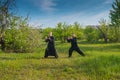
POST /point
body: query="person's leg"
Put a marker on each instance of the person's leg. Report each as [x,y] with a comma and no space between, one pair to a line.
[70,52]
[79,51]
[55,52]
[46,53]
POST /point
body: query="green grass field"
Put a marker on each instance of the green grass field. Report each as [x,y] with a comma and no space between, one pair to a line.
[102,62]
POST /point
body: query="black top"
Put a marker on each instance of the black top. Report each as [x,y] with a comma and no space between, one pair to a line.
[50,41]
[73,41]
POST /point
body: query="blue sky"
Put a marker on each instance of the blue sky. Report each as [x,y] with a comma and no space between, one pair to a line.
[48,13]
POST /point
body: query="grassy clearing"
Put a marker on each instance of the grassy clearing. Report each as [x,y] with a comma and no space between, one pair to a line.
[102,62]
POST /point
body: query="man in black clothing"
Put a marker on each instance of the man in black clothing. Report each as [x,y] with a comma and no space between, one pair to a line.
[74,46]
[50,50]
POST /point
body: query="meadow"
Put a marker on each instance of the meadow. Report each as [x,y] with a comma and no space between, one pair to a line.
[102,62]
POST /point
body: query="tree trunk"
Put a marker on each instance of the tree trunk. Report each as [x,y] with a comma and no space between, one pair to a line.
[4,25]
[2,37]
[105,38]
[2,44]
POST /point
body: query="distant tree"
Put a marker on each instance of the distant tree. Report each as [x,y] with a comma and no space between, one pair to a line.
[91,33]
[103,28]
[20,37]
[115,19]
[77,29]
[65,32]
[5,13]
[46,31]
[61,31]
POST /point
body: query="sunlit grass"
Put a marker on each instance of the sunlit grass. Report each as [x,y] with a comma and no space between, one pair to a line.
[102,62]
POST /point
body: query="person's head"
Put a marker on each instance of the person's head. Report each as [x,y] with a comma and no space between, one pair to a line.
[73,35]
[50,34]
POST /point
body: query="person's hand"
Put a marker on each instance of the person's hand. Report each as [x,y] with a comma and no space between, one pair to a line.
[68,38]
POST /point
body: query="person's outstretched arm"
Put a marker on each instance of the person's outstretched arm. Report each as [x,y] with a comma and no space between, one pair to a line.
[47,39]
[68,39]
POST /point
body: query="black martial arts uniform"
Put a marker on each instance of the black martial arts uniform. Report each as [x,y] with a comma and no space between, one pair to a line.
[50,50]
[74,46]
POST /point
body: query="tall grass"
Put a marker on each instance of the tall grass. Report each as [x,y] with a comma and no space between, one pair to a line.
[102,62]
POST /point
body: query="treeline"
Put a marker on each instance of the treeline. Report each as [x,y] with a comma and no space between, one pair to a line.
[91,33]
[16,35]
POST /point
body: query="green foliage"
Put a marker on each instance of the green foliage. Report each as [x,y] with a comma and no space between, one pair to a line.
[91,34]
[115,19]
[19,37]
[77,29]
[112,34]
[62,31]
[46,31]
[58,31]
[104,29]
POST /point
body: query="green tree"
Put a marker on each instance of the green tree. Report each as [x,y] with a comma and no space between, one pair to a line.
[62,31]
[115,19]
[91,33]
[5,13]
[103,28]
[46,31]
[59,32]
[20,37]
[77,29]
[65,29]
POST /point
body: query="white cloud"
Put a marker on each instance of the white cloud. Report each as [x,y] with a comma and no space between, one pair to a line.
[48,5]
[82,18]
[108,1]
[93,20]
[45,5]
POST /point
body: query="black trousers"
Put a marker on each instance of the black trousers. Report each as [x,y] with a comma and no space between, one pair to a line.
[76,48]
[50,52]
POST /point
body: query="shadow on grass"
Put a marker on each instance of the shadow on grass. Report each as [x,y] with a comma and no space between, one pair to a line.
[92,42]
[7,58]
[101,48]
[26,57]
